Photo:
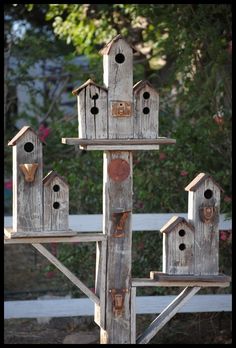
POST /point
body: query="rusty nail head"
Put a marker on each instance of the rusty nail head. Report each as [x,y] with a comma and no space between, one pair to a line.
[118,170]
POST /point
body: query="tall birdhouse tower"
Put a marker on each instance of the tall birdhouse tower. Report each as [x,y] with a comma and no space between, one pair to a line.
[203,212]
[27,181]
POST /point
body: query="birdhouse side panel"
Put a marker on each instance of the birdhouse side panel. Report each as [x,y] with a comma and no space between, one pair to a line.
[206,228]
[56,206]
[96,113]
[81,101]
[180,251]
[27,184]
[146,105]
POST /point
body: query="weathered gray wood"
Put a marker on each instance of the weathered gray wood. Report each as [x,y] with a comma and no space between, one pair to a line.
[119,147]
[202,278]
[85,307]
[56,203]
[100,283]
[113,142]
[176,283]
[140,222]
[178,249]
[100,119]
[27,196]
[81,99]
[9,233]
[145,124]
[133,315]
[207,234]
[118,78]
[48,237]
[66,272]
[167,314]
[117,197]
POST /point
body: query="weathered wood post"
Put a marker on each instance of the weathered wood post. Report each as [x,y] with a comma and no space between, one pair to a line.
[117,118]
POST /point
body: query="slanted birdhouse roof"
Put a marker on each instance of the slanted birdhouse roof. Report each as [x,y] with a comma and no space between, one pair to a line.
[106,49]
[141,84]
[87,83]
[174,222]
[200,178]
[20,134]
[52,175]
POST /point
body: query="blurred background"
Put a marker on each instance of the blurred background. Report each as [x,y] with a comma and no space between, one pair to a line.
[185,51]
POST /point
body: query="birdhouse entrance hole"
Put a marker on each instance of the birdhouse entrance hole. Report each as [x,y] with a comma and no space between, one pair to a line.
[95,96]
[182,233]
[56,205]
[182,246]
[94,110]
[56,188]
[120,58]
[28,147]
[146,95]
[146,110]
[208,194]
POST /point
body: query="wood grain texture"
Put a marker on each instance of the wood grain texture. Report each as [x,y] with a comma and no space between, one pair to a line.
[27,196]
[176,283]
[117,197]
[56,217]
[113,142]
[133,315]
[206,235]
[66,272]
[167,314]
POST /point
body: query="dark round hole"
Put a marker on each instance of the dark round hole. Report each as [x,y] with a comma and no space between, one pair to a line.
[182,246]
[120,58]
[56,188]
[208,194]
[95,96]
[146,111]
[146,95]
[94,110]
[56,205]
[182,233]
[29,147]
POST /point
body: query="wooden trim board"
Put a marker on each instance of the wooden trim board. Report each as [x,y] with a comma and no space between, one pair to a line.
[176,283]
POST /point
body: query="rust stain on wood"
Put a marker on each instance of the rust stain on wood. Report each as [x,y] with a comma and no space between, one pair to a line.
[119,220]
[29,170]
[121,108]
[118,170]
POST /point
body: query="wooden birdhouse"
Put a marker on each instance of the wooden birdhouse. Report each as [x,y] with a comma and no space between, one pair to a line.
[27,181]
[146,108]
[92,111]
[56,202]
[178,246]
[118,78]
[203,212]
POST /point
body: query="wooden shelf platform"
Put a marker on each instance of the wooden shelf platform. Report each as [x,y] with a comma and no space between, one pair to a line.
[119,144]
[49,237]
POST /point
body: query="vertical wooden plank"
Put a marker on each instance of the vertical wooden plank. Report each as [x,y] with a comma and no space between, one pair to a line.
[133,315]
[117,198]
[27,196]
[81,99]
[118,77]
[206,234]
[100,119]
[90,116]
[100,283]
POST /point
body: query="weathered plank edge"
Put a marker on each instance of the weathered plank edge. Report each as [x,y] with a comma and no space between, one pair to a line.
[176,283]
[86,142]
[202,278]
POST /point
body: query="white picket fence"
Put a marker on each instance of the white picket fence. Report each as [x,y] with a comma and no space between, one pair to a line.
[144,304]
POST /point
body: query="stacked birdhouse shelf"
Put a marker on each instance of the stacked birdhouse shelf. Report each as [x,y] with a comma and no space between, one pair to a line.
[40,206]
[191,247]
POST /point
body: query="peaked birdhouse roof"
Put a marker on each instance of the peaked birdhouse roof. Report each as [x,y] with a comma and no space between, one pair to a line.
[20,134]
[87,83]
[199,180]
[52,175]
[141,84]
[174,222]
[106,49]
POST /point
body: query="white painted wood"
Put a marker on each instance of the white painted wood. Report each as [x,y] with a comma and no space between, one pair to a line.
[75,237]
[118,78]
[55,218]
[133,315]
[85,307]
[66,272]
[206,234]
[27,196]
[167,314]
[140,222]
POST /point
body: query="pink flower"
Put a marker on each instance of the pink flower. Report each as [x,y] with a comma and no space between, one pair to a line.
[183,173]
[8,185]
[224,235]
[162,156]
[44,132]
[227,199]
